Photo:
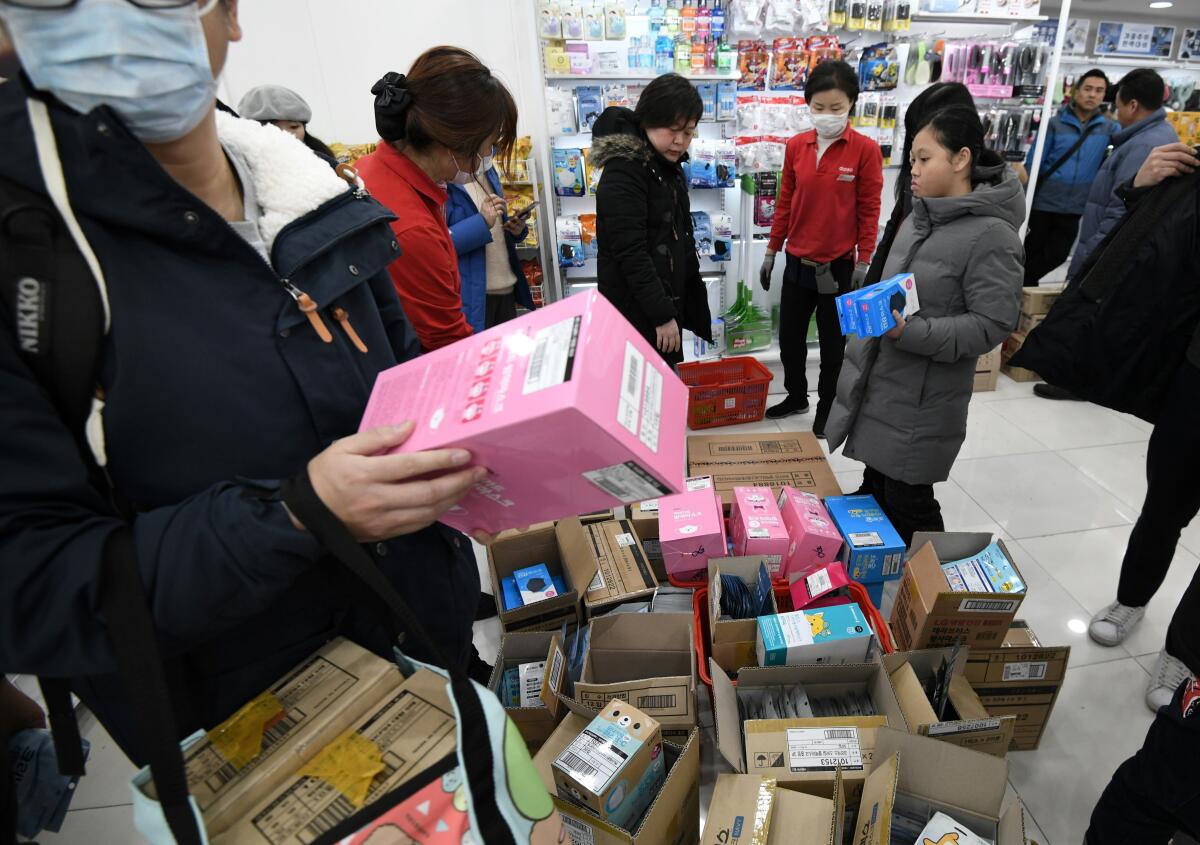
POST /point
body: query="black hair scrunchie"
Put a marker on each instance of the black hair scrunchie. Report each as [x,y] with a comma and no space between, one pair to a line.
[392,102]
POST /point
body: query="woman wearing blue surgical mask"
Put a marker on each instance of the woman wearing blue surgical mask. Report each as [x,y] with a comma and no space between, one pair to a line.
[437,123]
[248,310]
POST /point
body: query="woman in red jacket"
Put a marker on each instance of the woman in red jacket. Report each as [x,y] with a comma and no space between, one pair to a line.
[828,214]
[439,124]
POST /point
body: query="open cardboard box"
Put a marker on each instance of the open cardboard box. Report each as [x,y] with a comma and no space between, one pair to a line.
[916,774]
[927,614]
[968,722]
[1021,678]
[673,817]
[607,563]
[777,747]
[535,723]
[755,809]
[733,639]
[647,659]
[795,460]
[539,544]
[644,518]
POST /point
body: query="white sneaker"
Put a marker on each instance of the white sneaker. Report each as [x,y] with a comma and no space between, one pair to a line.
[1169,673]
[1113,624]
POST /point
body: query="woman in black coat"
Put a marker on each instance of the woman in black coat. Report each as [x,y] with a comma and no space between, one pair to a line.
[647,262]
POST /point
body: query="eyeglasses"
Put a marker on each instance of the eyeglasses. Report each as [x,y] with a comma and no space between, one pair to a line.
[55,5]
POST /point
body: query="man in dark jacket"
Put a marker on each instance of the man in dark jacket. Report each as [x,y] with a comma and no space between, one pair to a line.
[647,264]
[1075,148]
[238,270]
[1144,126]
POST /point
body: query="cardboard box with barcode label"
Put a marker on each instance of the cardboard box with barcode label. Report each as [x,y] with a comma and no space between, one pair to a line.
[518,550]
[733,640]
[568,407]
[647,659]
[536,717]
[674,815]
[760,810]
[915,777]
[609,560]
[966,721]
[776,461]
[235,764]
[644,517]
[1020,678]
[805,750]
[412,728]
[987,371]
[927,614]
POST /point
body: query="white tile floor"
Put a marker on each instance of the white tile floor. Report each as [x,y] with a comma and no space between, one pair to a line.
[1062,483]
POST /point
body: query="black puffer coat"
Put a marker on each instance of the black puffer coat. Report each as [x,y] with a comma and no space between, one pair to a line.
[647,263]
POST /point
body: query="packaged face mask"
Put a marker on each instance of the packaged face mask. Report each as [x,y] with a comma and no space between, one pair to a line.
[616,94]
[593,173]
[722,234]
[704,165]
[726,164]
[590,99]
[570,242]
[702,233]
[560,111]
[569,178]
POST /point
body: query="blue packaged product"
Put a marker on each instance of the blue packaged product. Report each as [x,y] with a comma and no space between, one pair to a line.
[874,551]
[835,634]
[590,102]
[510,688]
[703,165]
[569,178]
[874,309]
[726,100]
[708,97]
[989,571]
[510,596]
[726,164]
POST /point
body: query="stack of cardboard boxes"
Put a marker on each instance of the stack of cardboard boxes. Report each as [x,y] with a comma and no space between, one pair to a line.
[1035,305]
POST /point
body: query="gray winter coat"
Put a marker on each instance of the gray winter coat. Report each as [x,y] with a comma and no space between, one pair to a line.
[902,404]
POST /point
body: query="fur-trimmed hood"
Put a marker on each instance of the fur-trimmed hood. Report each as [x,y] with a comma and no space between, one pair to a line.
[289,180]
[610,147]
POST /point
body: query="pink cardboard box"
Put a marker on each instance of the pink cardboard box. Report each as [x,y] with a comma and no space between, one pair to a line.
[821,586]
[691,529]
[757,526]
[815,540]
[568,407]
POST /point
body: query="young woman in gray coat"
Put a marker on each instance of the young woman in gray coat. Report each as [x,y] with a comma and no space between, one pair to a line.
[902,399]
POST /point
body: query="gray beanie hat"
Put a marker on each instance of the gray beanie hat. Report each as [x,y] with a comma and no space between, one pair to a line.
[274,102]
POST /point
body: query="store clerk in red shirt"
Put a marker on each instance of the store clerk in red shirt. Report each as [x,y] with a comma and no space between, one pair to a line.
[828,215]
[437,122]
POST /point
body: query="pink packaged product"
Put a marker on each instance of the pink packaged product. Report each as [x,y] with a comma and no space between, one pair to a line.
[815,540]
[568,407]
[757,527]
[691,529]
[822,586]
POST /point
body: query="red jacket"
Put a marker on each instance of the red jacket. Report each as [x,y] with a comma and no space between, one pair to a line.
[426,273]
[825,211]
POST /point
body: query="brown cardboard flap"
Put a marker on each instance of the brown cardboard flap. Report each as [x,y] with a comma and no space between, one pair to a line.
[726,719]
[802,819]
[745,799]
[1011,830]
[612,557]
[515,550]
[939,771]
[732,630]
[966,702]
[577,558]
[918,712]
[874,825]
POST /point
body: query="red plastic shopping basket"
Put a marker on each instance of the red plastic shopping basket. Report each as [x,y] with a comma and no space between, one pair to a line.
[725,392]
[783,599]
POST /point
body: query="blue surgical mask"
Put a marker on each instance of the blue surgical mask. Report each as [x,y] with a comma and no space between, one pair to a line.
[150,66]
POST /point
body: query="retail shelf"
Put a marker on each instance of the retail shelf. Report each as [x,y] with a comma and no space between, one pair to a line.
[991,19]
[634,75]
[1132,61]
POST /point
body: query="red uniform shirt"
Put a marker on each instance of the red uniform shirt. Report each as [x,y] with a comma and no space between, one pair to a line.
[426,274]
[825,210]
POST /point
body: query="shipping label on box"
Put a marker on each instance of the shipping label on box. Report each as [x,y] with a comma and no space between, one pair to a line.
[410,730]
[566,406]
[757,528]
[821,587]
[613,555]
[762,460]
[814,539]
[232,766]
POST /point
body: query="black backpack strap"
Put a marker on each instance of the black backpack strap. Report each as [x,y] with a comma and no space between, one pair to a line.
[1045,177]
[302,500]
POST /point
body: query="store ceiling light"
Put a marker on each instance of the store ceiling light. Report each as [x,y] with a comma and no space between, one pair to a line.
[1162,4]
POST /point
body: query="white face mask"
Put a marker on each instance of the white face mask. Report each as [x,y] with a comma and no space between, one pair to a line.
[461,177]
[485,164]
[830,125]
